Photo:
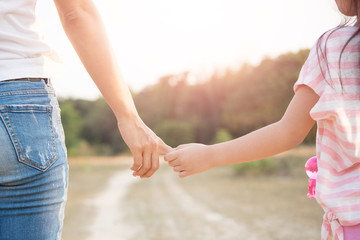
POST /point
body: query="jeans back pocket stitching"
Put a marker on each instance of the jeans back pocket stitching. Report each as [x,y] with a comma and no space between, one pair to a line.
[21,157]
[18,148]
[49,111]
[10,134]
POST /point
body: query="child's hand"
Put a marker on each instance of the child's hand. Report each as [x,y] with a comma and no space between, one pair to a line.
[189,159]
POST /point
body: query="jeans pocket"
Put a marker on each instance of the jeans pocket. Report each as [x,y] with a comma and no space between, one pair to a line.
[31,131]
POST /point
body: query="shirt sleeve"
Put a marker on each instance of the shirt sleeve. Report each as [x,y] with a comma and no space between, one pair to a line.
[314,71]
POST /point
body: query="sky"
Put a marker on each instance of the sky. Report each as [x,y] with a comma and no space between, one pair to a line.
[153,38]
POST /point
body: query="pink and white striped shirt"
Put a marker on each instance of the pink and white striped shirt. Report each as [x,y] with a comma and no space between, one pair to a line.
[338,120]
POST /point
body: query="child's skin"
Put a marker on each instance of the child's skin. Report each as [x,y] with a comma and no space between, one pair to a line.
[278,137]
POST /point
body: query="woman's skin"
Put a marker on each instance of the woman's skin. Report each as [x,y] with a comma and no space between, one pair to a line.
[84,28]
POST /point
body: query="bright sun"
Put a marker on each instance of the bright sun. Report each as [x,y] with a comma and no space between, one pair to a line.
[157,37]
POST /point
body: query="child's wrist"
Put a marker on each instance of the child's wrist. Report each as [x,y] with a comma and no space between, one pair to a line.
[214,158]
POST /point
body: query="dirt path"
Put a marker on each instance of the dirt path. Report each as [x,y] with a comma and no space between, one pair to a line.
[108,223]
[107,203]
[157,209]
[209,224]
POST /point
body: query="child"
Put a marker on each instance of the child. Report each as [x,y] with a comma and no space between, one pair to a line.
[328,93]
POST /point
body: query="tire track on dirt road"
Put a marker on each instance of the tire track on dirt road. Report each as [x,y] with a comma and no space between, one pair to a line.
[159,208]
[108,223]
[206,223]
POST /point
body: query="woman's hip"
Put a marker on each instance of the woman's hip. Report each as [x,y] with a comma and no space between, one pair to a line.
[34,169]
[30,129]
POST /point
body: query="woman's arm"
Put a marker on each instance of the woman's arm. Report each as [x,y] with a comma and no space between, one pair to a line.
[278,137]
[84,28]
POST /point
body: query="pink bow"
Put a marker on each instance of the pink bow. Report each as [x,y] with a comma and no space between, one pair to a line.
[331,226]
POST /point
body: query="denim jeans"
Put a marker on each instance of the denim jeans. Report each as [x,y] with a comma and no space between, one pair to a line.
[33,162]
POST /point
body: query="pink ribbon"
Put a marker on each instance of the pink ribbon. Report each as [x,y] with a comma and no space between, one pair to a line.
[331,228]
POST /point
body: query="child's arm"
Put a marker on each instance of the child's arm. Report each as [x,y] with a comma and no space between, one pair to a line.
[278,137]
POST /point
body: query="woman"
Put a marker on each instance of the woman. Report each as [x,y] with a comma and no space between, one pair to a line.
[34,170]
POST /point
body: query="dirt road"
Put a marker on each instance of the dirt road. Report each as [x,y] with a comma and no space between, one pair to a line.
[107,203]
[179,215]
[109,222]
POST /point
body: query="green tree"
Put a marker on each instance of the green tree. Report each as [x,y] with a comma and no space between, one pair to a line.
[222,135]
[72,123]
[228,104]
[175,133]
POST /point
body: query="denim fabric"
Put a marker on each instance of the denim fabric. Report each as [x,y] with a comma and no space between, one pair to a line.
[33,162]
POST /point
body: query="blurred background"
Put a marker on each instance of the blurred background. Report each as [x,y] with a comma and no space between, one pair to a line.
[202,71]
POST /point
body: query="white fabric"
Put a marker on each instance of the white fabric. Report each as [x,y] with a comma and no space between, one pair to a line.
[23,53]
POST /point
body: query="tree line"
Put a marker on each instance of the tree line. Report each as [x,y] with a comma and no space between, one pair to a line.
[225,106]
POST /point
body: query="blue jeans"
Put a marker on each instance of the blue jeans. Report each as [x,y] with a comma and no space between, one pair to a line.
[33,162]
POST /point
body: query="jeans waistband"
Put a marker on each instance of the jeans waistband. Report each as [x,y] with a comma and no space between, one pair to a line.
[26,86]
[45,80]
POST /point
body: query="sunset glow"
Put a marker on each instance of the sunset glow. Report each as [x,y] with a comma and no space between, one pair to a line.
[158,37]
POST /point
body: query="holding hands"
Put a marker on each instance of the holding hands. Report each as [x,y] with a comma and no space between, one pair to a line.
[144,145]
[189,159]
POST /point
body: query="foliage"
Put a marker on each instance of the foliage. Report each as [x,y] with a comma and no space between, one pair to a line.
[175,133]
[222,135]
[90,128]
[255,168]
[280,165]
[228,104]
[72,123]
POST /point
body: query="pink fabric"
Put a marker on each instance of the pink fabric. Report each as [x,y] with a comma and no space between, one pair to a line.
[331,228]
[352,232]
[337,114]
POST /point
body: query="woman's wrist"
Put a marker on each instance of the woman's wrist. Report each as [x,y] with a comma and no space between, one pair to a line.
[122,106]
[126,116]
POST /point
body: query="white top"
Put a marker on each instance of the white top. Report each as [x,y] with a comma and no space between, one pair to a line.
[23,53]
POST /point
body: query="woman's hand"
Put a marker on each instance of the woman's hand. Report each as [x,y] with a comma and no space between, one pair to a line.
[144,145]
[189,159]
[84,27]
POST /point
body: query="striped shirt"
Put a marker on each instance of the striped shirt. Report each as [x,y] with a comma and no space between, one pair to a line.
[337,114]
